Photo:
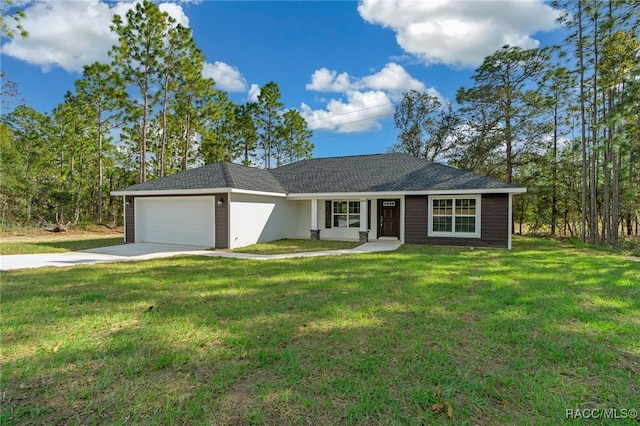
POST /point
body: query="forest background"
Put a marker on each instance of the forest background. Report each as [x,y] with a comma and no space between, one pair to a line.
[564,121]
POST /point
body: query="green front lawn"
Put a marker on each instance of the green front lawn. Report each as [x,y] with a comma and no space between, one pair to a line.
[296,246]
[57,246]
[382,338]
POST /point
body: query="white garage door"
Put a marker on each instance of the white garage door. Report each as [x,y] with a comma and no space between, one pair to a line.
[175,220]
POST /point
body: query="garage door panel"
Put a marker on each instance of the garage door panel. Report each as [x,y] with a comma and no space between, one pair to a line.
[175,220]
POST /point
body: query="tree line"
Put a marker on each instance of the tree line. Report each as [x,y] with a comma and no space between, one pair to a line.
[147,113]
[564,121]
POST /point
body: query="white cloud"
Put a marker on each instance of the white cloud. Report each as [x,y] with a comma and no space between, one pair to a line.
[324,80]
[460,33]
[66,34]
[176,12]
[360,113]
[369,99]
[226,76]
[70,33]
[393,79]
[254,92]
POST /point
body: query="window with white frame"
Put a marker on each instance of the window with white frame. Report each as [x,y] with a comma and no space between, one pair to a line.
[346,214]
[454,216]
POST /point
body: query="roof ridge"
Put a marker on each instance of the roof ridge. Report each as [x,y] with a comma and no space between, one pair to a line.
[230,169]
[338,156]
[226,175]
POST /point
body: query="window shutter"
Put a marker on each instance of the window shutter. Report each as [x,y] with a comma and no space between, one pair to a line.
[327,214]
[368,214]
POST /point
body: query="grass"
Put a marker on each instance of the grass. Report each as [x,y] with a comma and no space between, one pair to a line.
[630,246]
[381,338]
[296,246]
[57,246]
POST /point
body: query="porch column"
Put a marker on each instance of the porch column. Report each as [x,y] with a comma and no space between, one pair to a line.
[315,231]
[364,215]
[510,225]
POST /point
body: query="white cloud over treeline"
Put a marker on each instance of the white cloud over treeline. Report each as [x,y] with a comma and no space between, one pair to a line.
[460,32]
[73,33]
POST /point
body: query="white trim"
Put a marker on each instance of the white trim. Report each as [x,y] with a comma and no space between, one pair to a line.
[250,192]
[162,192]
[206,191]
[229,221]
[402,216]
[391,194]
[314,215]
[351,195]
[364,213]
[136,229]
[124,217]
[213,209]
[453,233]
[510,221]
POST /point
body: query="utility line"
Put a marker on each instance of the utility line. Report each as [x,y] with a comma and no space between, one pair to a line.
[352,112]
[332,135]
[376,117]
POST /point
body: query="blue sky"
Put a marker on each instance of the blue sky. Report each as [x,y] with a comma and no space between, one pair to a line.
[343,64]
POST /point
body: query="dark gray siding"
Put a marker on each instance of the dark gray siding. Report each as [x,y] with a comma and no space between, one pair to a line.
[494,221]
[222,221]
[129,219]
[416,208]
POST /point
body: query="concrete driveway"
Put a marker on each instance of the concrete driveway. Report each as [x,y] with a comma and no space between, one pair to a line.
[144,251]
[121,253]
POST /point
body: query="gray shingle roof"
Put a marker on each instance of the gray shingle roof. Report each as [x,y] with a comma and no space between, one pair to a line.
[361,173]
[218,175]
[377,173]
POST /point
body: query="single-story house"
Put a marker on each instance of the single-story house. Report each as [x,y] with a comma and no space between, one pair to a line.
[377,197]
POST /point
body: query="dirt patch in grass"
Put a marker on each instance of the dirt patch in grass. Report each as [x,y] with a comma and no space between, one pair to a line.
[21,235]
[38,240]
[234,405]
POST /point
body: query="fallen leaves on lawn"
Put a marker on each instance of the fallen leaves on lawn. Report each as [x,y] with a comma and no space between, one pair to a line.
[441,405]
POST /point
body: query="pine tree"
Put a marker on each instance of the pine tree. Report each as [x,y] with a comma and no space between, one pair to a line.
[269,119]
[138,58]
[102,93]
[247,131]
[295,136]
[504,83]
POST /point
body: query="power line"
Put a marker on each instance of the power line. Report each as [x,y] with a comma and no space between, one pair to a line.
[352,112]
[376,117]
[333,135]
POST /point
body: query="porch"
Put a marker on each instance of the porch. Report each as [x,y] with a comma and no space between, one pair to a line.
[361,219]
